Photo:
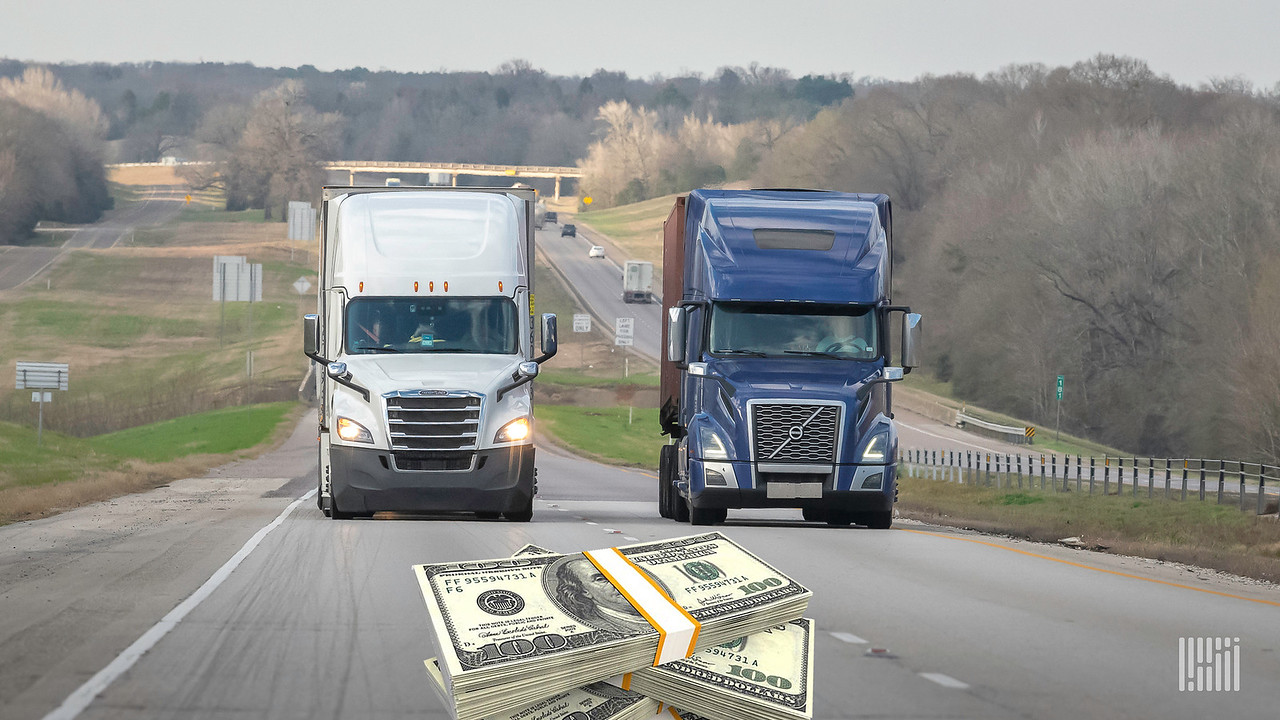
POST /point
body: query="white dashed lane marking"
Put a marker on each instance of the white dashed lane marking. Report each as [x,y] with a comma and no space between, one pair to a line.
[945,680]
[848,638]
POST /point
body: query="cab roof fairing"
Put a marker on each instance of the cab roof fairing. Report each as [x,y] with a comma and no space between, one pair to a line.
[725,263]
[388,241]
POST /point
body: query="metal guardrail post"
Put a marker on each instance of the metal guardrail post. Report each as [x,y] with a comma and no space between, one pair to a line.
[1184,479]
[1151,475]
[1079,471]
[1119,476]
[968,474]
[1093,468]
[1053,471]
[1135,477]
[986,479]
[1106,475]
[1201,462]
[1041,471]
[1222,480]
[1019,470]
[1241,487]
[1166,478]
[1262,487]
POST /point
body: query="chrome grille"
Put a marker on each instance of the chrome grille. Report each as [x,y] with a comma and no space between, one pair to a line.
[446,422]
[799,433]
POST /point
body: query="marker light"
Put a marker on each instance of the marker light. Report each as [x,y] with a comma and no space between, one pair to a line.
[514,431]
[361,286]
[431,286]
[415,286]
[352,431]
[446,286]
[499,286]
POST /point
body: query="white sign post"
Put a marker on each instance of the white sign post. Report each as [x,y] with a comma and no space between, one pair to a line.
[41,376]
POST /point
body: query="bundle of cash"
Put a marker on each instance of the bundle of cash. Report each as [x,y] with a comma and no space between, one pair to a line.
[510,632]
[597,701]
[765,676]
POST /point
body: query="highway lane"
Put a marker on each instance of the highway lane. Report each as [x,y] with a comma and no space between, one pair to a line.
[159,205]
[324,619]
[598,281]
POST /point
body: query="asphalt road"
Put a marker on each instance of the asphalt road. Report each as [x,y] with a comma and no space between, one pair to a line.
[598,282]
[19,265]
[323,618]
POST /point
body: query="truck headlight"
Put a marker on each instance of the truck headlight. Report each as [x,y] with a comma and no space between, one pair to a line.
[352,431]
[514,431]
[712,446]
[876,448]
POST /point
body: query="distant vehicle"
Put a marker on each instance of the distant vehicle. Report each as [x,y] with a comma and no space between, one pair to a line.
[552,217]
[596,251]
[637,281]
[570,230]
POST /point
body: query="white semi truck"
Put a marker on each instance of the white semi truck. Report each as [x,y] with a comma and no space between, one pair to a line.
[425,333]
[637,282]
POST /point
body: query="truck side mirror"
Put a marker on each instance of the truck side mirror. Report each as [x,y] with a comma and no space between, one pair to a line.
[676,319]
[911,340]
[311,335]
[549,342]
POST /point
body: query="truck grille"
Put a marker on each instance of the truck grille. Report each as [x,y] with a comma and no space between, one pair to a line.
[445,423]
[799,433]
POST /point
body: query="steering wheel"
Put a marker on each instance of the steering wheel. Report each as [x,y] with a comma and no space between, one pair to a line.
[854,344]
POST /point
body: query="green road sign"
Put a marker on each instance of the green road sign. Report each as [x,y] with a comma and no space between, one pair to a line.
[1059,387]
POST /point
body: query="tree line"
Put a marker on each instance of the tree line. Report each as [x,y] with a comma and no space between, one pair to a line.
[1096,221]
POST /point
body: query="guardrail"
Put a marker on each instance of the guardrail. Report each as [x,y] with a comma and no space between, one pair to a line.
[1007,433]
[1253,486]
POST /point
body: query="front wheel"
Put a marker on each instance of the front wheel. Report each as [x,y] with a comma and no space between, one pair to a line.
[666,462]
[879,520]
[707,516]
[524,514]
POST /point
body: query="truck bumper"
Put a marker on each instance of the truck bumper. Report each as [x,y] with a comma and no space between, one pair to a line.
[364,481]
[852,488]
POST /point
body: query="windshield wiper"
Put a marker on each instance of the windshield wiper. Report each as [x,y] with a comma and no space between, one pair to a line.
[814,353]
[744,353]
[378,349]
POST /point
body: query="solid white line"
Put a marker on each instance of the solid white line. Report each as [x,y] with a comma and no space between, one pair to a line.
[628,537]
[848,637]
[591,523]
[945,680]
[77,701]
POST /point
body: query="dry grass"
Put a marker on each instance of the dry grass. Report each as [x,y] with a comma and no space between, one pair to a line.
[149,175]
[1203,534]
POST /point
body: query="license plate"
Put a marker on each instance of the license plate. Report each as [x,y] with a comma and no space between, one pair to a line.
[792,490]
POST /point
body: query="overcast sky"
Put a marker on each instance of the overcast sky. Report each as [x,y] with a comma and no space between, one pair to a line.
[895,39]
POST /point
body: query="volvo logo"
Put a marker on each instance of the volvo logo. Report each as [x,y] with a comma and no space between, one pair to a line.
[433,392]
[796,432]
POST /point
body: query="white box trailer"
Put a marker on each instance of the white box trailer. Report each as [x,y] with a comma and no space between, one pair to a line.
[425,329]
[637,282]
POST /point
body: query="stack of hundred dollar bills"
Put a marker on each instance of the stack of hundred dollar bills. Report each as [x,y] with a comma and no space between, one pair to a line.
[513,632]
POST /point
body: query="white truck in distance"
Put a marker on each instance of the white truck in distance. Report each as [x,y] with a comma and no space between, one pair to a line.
[637,282]
[425,330]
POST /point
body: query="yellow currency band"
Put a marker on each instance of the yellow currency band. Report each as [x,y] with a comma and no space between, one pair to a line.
[677,630]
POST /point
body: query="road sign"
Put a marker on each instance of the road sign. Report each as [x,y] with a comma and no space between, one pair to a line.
[236,280]
[41,397]
[42,376]
[1030,432]
[581,322]
[302,221]
[1059,387]
[624,341]
[624,327]
[302,285]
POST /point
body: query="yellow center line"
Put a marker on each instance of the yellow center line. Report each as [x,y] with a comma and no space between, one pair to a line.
[1091,567]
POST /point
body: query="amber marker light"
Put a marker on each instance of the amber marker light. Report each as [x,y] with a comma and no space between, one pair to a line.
[431,286]
[446,286]
[415,286]
[499,286]
[361,286]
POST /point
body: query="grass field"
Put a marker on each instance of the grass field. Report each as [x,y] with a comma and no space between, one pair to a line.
[636,228]
[606,433]
[1199,533]
[64,471]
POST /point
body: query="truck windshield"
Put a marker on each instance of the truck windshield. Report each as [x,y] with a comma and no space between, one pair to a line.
[435,325]
[766,329]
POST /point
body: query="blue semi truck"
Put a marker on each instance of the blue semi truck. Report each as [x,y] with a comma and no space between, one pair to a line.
[775,379]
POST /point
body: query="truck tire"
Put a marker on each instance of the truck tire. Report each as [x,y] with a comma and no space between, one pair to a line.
[666,462]
[325,508]
[707,516]
[524,514]
[337,514]
[488,515]
[679,506]
[879,520]
[813,514]
[839,518]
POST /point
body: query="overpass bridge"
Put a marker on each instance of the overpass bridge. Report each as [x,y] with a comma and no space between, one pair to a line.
[454,170]
[424,168]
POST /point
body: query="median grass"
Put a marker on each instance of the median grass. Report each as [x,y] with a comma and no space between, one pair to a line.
[604,433]
[63,471]
[636,228]
[1193,532]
